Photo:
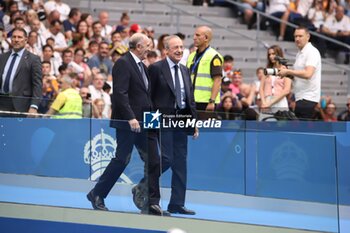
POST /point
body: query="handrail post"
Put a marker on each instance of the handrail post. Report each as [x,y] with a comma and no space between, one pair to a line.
[257,37]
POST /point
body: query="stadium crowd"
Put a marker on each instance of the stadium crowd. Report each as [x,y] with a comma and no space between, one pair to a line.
[75,44]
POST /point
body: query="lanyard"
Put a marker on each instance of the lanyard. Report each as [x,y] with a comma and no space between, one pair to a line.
[197,60]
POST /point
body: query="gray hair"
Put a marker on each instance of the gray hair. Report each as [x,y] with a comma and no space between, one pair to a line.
[168,38]
[135,39]
[67,79]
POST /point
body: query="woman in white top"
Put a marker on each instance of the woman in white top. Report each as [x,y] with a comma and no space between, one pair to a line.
[274,89]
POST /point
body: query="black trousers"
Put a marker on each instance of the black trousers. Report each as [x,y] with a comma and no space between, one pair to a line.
[174,155]
[146,144]
[305,109]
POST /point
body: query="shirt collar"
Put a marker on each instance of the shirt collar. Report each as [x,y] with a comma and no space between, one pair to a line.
[137,60]
[20,52]
[171,63]
[305,47]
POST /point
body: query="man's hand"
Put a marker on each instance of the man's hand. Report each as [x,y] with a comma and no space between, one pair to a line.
[135,126]
[210,107]
[283,72]
[31,112]
[196,133]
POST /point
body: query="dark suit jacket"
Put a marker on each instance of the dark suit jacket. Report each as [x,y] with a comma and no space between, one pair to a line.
[27,81]
[130,96]
[163,91]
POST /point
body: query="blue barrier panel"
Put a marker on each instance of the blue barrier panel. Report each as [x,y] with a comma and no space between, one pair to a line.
[15,225]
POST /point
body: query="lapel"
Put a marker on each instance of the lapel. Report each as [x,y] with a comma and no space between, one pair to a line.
[167,75]
[21,62]
[137,69]
[3,64]
[4,61]
[186,80]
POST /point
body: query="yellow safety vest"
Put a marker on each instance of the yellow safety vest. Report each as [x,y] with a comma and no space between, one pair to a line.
[204,81]
[73,107]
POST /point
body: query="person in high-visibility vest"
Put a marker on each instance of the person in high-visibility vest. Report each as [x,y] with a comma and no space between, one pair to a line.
[205,66]
[68,103]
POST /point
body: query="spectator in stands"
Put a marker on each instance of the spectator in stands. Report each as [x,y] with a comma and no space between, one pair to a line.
[117,45]
[236,81]
[329,113]
[228,66]
[41,30]
[18,23]
[124,19]
[277,8]
[150,34]
[52,80]
[273,88]
[54,58]
[345,115]
[230,107]
[67,57]
[70,24]
[97,92]
[68,104]
[83,30]
[89,20]
[97,30]
[103,17]
[124,34]
[12,9]
[151,58]
[92,50]
[294,13]
[317,15]
[160,46]
[32,44]
[307,75]
[102,61]
[57,35]
[98,106]
[248,6]
[86,75]
[58,5]
[87,103]
[205,62]
[336,27]
[135,28]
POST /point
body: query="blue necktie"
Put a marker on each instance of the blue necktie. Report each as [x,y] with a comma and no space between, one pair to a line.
[144,76]
[8,75]
[177,88]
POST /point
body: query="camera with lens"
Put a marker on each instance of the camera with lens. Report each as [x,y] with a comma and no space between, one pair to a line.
[274,71]
[270,71]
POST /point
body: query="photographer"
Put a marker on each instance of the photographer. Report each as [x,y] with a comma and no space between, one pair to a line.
[274,88]
[307,75]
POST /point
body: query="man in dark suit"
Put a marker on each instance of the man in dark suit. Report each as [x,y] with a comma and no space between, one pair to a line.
[172,94]
[131,97]
[21,78]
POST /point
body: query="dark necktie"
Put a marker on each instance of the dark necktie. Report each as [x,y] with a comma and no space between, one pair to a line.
[177,87]
[8,75]
[144,76]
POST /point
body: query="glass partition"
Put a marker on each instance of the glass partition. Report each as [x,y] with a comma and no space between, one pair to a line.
[267,173]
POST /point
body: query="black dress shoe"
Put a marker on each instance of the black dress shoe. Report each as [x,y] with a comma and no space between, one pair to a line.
[177,209]
[96,201]
[155,210]
[139,196]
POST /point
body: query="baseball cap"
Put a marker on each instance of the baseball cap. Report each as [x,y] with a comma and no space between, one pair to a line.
[135,28]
